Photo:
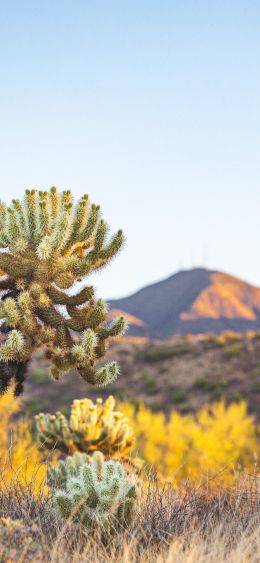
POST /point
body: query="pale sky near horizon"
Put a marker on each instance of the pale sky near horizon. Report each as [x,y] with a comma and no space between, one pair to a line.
[151,107]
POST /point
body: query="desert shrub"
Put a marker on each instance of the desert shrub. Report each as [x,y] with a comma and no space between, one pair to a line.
[155,406]
[213,386]
[255,386]
[150,385]
[232,351]
[235,396]
[39,354]
[218,439]
[39,376]
[230,337]
[159,354]
[213,342]
[35,404]
[177,395]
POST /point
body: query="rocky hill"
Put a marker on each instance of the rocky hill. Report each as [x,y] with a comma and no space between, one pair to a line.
[191,302]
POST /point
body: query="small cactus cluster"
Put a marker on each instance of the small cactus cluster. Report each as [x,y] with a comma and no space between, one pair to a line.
[90,427]
[47,244]
[97,494]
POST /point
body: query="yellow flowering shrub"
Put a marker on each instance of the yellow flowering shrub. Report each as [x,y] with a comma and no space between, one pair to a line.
[215,442]
[20,457]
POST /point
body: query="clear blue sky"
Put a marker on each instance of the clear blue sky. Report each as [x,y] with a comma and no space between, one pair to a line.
[153,108]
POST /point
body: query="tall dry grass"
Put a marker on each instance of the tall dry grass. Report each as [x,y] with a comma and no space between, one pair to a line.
[171,525]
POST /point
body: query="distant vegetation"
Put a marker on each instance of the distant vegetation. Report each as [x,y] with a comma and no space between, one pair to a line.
[182,373]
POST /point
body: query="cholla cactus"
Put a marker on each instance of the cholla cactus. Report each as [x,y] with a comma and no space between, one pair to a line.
[91,427]
[47,245]
[58,475]
[100,495]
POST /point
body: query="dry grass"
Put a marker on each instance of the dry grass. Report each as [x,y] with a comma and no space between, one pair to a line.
[182,525]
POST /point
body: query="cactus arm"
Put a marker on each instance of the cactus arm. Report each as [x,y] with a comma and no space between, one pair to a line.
[117,328]
[61,298]
[62,230]
[91,223]
[79,221]
[112,248]
[77,322]
[55,203]
[15,268]
[44,223]
[50,316]
[31,214]
[63,336]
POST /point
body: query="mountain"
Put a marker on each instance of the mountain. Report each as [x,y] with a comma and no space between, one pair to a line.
[191,302]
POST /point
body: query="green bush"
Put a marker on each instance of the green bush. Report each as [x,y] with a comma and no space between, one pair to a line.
[211,343]
[155,406]
[255,387]
[36,405]
[159,354]
[232,350]
[39,376]
[150,385]
[235,397]
[215,387]
[39,354]
[177,395]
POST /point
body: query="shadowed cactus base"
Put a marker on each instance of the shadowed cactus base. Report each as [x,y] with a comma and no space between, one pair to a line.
[90,427]
[47,245]
[96,494]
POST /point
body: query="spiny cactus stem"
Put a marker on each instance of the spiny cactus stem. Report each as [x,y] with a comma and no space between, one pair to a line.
[10,370]
[15,371]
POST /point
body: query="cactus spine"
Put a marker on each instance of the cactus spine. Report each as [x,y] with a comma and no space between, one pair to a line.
[47,245]
[97,494]
[90,427]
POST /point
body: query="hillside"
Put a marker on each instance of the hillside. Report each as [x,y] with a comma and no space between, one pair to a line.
[191,302]
[180,373]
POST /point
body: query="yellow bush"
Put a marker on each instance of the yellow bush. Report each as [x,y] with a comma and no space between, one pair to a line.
[20,458]
[215,442]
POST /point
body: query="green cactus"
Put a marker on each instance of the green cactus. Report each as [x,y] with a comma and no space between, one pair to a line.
[46,246]
[58,475]
[101,494]
[91,427]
